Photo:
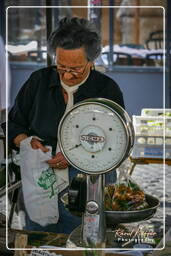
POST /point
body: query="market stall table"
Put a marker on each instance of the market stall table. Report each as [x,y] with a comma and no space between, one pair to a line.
[142,160]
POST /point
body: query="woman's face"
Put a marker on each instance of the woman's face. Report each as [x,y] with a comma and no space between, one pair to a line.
[72,65]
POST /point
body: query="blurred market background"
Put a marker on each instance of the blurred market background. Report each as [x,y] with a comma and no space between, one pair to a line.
[132,43]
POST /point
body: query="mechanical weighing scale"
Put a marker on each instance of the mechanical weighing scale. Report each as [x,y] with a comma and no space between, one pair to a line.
[96,136]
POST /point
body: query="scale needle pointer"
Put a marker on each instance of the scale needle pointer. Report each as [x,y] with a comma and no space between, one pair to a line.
[76,146]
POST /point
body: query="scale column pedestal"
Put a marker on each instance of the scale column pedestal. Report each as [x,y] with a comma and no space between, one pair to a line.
[94,226]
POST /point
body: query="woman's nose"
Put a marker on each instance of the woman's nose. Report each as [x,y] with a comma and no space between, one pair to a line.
[68,75]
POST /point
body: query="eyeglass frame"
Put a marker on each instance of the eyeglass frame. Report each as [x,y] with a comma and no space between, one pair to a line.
[69,70]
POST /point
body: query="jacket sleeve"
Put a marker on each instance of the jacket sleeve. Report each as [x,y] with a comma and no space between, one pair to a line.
[18,118]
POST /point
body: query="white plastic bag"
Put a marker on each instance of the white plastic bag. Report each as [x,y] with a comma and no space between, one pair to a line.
[62,176]
[39,184]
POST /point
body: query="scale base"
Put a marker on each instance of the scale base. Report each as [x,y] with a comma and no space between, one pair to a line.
[75,240]
[120,237]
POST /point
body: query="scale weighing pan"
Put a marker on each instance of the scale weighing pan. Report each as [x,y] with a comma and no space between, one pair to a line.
[113,217]
[117,217]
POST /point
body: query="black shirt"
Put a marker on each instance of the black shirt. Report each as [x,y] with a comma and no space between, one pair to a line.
[39,105]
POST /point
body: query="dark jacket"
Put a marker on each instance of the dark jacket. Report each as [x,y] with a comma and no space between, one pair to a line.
[39,105]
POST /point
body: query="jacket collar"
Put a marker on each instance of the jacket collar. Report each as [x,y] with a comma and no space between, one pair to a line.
[89,88]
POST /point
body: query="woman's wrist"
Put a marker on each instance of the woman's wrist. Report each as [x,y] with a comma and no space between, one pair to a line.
[19,138]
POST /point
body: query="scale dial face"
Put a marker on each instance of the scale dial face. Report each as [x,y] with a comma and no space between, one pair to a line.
[93,138]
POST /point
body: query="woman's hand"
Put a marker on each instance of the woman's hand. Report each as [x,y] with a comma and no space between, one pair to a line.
[19,138]
[58,161]
[36,144]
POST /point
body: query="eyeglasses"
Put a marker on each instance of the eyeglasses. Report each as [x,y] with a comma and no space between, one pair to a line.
[73,71]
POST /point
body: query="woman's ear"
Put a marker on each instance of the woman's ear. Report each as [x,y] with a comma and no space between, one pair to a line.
[92,67]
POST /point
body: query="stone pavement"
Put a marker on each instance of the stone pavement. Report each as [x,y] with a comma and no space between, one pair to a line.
[152,179]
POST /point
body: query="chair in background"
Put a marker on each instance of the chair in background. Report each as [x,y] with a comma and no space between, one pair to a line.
[154,59]
[3,139]
[119,58]
[14,180]
[155,40]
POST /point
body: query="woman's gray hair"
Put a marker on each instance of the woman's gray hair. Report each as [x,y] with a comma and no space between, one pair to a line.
[74,33]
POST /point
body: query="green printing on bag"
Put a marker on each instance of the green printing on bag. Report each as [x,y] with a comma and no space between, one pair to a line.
[47,180]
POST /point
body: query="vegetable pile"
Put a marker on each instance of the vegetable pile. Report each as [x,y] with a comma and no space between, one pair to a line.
[124,197]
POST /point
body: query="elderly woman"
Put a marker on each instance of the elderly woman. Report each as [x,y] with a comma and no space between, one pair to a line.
[49,92]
